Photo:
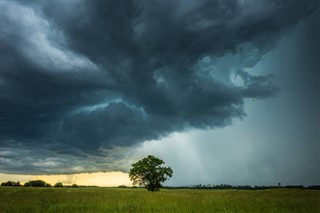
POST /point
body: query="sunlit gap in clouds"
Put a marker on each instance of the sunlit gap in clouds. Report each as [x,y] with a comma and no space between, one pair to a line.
[81,179]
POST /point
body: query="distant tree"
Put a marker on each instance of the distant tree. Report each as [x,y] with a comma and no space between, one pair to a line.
[149,173]
[37,183]
[74,185]
[58,184]
[11,183]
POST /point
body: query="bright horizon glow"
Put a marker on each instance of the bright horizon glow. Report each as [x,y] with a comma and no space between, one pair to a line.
[81,179]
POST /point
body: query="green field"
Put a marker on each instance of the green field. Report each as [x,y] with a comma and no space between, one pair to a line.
[28,199]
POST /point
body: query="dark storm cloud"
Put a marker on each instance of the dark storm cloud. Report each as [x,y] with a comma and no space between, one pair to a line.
[93,76]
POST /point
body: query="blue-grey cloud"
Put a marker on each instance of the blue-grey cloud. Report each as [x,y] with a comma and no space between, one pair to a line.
[94,76]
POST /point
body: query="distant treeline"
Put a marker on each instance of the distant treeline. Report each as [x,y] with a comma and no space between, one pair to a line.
[41,183]
[226,186]
[34,183]
[245,187]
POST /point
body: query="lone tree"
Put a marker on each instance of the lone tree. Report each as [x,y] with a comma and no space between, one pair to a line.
[149,173]
[58,184]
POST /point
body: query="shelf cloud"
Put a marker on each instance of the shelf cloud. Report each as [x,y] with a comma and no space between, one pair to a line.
[87,80]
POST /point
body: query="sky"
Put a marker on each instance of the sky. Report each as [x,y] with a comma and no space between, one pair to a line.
[225,92]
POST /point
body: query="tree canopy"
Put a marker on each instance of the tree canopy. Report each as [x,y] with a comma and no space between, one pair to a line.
[37,183]
[58,184]
[149,173]
[11,183]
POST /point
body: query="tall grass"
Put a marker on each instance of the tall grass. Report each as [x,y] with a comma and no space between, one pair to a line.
[22,199]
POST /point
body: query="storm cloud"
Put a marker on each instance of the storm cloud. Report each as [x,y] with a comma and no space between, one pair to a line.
[85,79]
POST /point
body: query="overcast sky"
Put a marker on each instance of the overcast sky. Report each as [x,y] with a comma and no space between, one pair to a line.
[222,91]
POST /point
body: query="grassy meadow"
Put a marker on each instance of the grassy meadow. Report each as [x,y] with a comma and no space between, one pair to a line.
[29,199]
